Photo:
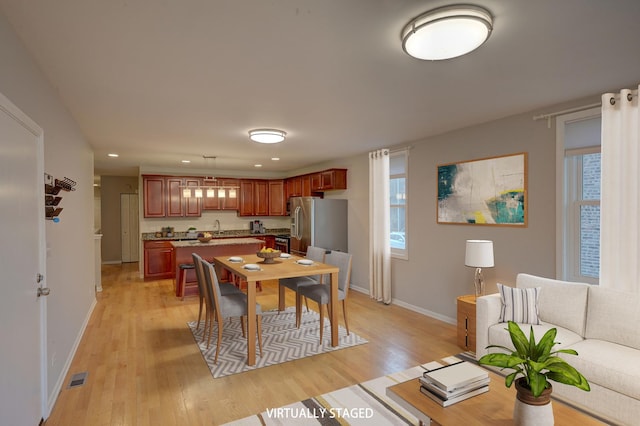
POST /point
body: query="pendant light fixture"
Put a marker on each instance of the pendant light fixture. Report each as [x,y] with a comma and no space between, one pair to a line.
[267,135]
[447,32]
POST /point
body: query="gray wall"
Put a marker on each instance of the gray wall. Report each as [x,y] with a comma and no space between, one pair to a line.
[70,246]
[434,275]
[110,189]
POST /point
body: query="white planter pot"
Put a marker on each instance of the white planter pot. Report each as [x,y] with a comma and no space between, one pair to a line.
[532,415]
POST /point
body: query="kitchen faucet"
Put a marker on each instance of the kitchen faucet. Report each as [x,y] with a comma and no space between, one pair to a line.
[217,227]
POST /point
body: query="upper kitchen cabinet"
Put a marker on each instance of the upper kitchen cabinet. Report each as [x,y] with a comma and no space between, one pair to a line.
[262,198]
[294,187]
[163,197]
[277,201]
[231,194]
[154,188]
[224,194]
[328,180]
[177,204]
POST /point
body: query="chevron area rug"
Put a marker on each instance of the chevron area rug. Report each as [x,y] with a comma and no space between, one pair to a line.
[281,341]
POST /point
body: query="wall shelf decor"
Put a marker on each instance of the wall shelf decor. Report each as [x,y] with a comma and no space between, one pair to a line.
[52,188]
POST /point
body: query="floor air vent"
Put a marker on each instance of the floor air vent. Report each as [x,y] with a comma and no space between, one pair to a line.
[77,379]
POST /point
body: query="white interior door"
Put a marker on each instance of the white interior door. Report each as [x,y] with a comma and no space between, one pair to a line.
[129,227]
[22,257]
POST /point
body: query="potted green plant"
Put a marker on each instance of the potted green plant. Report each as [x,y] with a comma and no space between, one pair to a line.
[537,364]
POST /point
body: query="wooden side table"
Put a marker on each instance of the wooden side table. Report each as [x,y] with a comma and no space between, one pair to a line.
[467,322]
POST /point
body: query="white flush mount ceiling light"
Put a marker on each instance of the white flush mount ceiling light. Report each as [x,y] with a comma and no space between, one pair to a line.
[267,135]
[446,32]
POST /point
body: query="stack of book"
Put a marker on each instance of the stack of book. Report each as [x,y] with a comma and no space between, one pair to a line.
[455,382]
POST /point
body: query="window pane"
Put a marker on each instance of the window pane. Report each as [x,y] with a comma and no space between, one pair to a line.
[590,241]
[591,176]
[397,236]
[397,191]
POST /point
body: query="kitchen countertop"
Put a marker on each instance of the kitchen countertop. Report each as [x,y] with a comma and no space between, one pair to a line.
[216,242]
[181,236]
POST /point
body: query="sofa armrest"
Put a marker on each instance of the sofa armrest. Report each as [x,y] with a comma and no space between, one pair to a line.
[487,314]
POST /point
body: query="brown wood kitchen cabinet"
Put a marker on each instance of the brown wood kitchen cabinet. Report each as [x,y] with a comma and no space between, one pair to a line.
[277,201]
[154,196]
[329,180]
[229,189]
[177,204]
[163,197]
[158,260]
[229,202]
[254,197]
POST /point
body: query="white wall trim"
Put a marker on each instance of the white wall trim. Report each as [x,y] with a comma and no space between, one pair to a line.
[410,307]
[53,397]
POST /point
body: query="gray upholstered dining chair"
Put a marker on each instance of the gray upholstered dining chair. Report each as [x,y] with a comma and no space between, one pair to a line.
[321,293]
[225,288]
[313,253]
[225,306]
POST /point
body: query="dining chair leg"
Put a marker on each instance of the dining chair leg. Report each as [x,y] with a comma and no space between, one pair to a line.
[298,309]
[199,314]
[259,328]
[344,312]
[211,330]
[321,321]
[215,361]
[242,326]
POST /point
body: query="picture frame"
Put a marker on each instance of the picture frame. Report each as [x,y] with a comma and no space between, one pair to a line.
[487,191]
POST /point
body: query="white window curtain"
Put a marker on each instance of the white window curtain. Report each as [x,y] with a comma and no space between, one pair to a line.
[379,248]
[619,231]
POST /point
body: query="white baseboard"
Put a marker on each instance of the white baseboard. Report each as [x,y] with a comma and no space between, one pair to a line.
[413,308]
[112,262]
[53,396]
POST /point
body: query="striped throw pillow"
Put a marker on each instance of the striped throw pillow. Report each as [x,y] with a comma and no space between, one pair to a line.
[519,304]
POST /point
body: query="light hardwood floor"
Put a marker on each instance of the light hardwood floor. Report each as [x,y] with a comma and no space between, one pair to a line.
[145,369]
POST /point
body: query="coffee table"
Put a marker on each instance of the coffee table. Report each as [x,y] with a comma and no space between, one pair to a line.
[490,408]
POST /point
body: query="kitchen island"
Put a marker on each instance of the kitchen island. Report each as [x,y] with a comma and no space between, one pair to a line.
[216,247]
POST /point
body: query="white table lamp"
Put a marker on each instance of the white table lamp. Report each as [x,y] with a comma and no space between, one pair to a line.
[479,254]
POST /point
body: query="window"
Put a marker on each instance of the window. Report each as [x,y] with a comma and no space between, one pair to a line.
[398,203]
[580,196]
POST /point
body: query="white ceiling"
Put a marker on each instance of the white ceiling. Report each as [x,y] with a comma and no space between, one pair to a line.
[159,81]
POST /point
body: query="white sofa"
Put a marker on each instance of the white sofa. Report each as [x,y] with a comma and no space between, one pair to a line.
[602,325]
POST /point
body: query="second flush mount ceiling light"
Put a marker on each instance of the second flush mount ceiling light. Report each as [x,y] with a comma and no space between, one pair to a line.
[446,32]
[267,135]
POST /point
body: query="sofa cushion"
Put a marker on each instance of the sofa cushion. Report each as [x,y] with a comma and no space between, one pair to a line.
[562,303]
[609,365]
[498,335]
[613,316]
[519,304]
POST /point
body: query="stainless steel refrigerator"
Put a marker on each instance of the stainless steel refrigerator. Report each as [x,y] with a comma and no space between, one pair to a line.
[318,222]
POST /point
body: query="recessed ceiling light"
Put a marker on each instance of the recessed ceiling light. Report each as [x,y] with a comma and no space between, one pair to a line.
[267,135]
[186,161]
[257,165]
[113,155]
[447,32]
[275,158]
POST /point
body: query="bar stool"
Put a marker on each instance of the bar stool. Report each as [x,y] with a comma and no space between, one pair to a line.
[182,279]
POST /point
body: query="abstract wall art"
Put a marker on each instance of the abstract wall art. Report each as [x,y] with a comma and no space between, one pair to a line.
[487,191]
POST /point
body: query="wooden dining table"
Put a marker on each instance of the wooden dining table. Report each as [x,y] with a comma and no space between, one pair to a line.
[281,268]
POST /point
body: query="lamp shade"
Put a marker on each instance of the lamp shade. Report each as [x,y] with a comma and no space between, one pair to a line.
[447,32]
[479,254]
